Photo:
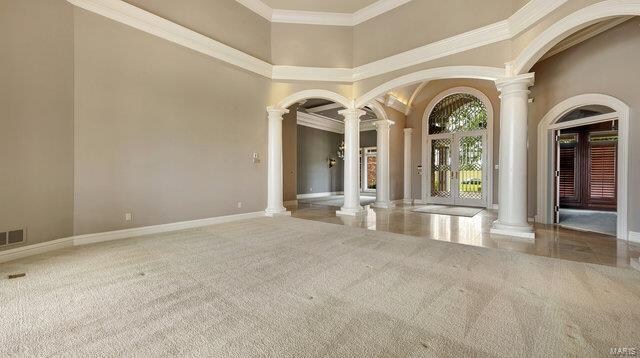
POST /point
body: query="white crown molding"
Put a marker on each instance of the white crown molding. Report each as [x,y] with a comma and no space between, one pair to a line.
[130,15]
[395,103]
[320,17]
[36,249]
[584,35]
[329,124]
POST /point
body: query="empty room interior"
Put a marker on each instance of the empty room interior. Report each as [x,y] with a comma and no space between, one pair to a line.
[335,178]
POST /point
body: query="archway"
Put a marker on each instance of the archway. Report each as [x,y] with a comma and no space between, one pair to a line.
[569,25]
[476,72]
[470,190]
[545,196]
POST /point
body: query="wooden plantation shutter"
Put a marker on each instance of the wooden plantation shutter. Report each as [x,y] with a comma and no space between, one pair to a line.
[602,171]
[568,172]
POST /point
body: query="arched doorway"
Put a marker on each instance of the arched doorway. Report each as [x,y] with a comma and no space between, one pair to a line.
[457,149]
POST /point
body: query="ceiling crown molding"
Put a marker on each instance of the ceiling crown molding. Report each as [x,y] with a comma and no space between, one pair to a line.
[130,15]
[320,17]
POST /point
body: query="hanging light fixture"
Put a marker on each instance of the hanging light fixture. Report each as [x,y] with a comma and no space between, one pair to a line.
[341,150]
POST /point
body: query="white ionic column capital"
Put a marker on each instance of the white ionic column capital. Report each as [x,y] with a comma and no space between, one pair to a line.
[352,114]
[276,112]
[383,124]
[515,85]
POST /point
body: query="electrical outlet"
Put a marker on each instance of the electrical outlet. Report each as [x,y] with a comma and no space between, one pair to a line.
[128,217]
[256,158]
[239,205]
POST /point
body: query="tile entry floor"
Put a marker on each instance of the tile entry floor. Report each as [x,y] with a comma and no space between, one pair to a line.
[551,241]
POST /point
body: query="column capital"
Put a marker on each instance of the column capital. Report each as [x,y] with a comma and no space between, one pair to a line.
[408,131]
[352,113]
[276,111]
[515,84]
[383,123]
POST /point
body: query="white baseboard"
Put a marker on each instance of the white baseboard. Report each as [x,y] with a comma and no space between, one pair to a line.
[79,240]
[634,237]
[319,195]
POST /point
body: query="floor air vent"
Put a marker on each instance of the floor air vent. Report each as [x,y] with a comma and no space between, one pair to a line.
[12,237]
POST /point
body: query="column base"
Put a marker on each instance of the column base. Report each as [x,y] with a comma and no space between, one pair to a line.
[407,201]
[384,205]
[277,212]
[523,231]
[359,211]
[635,263]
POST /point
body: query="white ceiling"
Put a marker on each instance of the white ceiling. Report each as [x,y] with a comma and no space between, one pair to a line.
[341,6]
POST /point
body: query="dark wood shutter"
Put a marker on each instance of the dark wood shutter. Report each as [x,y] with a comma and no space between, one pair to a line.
[602,172]
[568,172]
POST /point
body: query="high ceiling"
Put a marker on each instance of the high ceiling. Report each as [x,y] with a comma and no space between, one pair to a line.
[344,6]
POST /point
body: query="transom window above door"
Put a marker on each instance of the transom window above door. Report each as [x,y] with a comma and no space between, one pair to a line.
[460,112]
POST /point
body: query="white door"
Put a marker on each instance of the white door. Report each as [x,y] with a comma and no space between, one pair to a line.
[457,172]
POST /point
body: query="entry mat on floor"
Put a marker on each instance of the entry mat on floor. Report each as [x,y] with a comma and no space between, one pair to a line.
[449,210]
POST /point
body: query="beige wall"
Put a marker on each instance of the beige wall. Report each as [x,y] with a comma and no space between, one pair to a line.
[421,22]
[396,154]
[311,45]
[290,154]
[161,131]
[226,21]
[414,120]
[36,118]
[604,64]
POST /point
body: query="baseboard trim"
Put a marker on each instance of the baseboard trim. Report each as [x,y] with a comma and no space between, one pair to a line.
[80,240]
[319,195]
[634,237]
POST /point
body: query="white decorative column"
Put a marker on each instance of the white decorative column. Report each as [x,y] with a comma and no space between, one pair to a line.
[512,213]
[351,162]
[408,192]
[383,129]
[274,163]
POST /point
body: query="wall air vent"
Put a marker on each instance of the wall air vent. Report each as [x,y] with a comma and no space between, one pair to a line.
[12,237]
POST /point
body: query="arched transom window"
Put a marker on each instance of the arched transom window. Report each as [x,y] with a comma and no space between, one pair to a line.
[458,112]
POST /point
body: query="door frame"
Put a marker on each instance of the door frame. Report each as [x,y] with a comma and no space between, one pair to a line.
[548,125]
[488,153]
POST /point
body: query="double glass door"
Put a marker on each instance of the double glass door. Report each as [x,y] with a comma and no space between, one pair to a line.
[457,170]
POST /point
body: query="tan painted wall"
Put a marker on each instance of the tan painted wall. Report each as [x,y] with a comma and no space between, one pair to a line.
[290,154]
[226,21]
[604,64]
[396,154]
[421,22]
[414,120]
[36,118]
[311,45]
[161,131]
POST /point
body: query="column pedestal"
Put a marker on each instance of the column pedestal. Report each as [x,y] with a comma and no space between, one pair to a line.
[274,164]
[352,205]
[512,213]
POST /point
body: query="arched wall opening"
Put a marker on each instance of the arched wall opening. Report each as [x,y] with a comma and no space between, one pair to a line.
[467,190]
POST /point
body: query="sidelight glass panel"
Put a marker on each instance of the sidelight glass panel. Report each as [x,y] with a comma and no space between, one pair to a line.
[470,167]
[441,168]
[371,172]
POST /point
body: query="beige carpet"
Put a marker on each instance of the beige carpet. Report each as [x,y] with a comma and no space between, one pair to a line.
[291,287]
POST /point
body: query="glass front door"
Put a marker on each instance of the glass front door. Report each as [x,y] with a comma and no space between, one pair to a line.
[457,173]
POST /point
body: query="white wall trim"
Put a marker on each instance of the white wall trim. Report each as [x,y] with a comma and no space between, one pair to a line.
[476,72]
[130,15]
[321,17]
[315,93]
[634,237]
[319,195]
[578,20]
[489,171]
[395,103]
[320,122]
[545,162]
[79,240]
[414,95]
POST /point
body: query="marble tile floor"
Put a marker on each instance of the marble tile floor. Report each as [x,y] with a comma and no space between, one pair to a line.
[551,241]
